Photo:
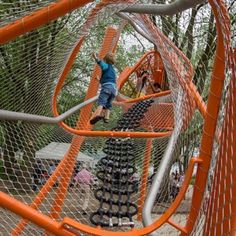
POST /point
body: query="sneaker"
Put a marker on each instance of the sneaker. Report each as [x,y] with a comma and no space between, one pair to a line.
[95,120]
[105,120]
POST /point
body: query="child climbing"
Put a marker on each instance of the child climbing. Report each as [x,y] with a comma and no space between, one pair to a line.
[108,88]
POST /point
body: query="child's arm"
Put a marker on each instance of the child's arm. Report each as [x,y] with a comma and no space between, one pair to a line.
[101,63]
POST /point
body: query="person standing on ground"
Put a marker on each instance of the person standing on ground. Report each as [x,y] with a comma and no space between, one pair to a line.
[84,179]
[108,88]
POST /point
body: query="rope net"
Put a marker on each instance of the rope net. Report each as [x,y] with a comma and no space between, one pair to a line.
[41,158]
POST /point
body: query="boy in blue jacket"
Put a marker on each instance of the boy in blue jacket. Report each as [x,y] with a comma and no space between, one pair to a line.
[108,88]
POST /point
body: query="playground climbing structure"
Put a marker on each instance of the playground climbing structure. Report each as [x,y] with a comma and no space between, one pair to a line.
[48,95]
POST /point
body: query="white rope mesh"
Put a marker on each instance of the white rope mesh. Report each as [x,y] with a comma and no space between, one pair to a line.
[29,69]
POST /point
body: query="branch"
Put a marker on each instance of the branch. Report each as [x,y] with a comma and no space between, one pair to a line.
[163,9]
[129,19]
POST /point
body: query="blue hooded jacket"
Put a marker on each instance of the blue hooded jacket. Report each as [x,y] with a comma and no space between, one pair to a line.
[108,73]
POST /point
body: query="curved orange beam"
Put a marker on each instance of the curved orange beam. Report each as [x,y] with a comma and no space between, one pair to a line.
[39,18]
[58,228]
[154,95]
[120,83]
[150,228]
[33,215]
[198,99]
[64,74]
[100,133]
[123,134]
[210,124]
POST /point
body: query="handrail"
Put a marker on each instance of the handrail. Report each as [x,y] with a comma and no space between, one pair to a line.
[150,228]
[58,228]
[33,215]
[38,18]
[154,95]
[12,115]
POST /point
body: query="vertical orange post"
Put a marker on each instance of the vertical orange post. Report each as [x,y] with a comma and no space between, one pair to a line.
[233,221]
[70,158]
[144,178]
[209,128]
[77,141]
[65,177]
[221,212]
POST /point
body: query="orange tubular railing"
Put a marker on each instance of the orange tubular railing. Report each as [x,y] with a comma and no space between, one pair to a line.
[60,229]
[39,18]
[33,215]
[85,113]
[209,128]
[69,159]
[52,12]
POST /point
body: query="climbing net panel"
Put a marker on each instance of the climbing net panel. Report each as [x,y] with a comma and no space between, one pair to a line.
[166,157]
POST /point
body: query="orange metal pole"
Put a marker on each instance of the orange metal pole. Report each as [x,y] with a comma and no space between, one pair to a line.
[77,141]
[144,179]
[94,83]
[198,99]
[233,221]
[128,134]
[33,215]
[41,220]
[209,127]
[150,228]
[64,74]
[38,18]
[221,212]
[66,175]
[61,167]
[40,196]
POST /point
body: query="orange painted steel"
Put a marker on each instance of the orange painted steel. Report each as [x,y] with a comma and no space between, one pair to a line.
[212,112]
[86,115]
[122,134]
[39,18]
[178,227]
[219,214]
[74,148]
[39,219]
[77,141]
[198,99]
[64,74]
[92,91]
[144,178]
[150,228]
[33,215]
[154,95]
[158,73]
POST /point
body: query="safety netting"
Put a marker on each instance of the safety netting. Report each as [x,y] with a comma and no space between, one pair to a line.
[136,180]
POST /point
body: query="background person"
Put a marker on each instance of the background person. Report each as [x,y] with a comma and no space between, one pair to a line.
[83,180]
